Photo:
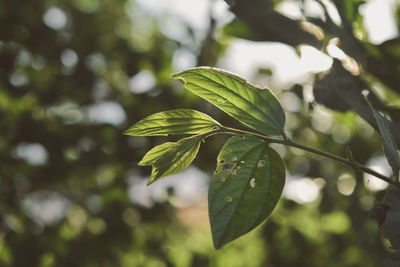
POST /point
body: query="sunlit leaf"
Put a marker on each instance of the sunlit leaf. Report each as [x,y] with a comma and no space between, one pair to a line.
[388,142]
[179,121]
[171,158]
[244,189]
[254,107]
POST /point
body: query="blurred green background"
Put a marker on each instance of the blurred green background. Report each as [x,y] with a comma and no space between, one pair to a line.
[74,74]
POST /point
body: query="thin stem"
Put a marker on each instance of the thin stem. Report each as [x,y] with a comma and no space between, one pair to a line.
[286,141]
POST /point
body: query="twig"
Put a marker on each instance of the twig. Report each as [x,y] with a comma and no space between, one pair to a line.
[286,141]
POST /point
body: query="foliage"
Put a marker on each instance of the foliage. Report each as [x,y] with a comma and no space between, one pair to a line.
[342,88]
[250,176]
[71,193]
[249,179]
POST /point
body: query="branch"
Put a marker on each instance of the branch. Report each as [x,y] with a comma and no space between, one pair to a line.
[286,141]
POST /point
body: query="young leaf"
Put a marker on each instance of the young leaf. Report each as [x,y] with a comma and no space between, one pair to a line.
[244,189]
[170,158]
[389,144]
[254,107]
[179,121]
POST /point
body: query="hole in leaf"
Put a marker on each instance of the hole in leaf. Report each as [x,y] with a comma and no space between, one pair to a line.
[252,182]
[228,166]
[228,199]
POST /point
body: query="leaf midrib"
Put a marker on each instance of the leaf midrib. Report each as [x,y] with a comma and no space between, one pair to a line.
[238,95]
[174,160]
[157,128]
[252,89]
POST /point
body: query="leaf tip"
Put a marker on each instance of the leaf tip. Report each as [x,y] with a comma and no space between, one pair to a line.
[131,131]
[142,163]
[218,244]
[176,75]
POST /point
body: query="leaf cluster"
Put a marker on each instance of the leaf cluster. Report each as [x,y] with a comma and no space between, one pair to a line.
[250,175]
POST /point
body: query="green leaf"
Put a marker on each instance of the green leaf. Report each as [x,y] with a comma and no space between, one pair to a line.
[239,29]
[254,107]
[179,121]
[171,158]
[244,189]
[389,144]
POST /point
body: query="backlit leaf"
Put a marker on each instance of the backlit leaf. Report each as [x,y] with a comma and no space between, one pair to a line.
[179,121]
[254,107]
[244,189]
[171,158]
